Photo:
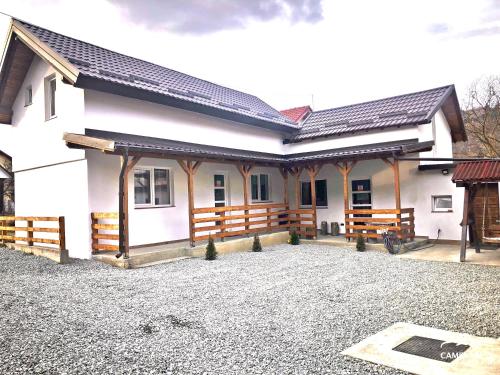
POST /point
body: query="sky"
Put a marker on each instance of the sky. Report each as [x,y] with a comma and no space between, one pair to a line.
[292,52]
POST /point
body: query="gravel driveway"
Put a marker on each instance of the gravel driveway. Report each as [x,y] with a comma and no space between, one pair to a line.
[288,310]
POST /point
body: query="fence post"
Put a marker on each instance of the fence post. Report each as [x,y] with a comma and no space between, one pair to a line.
[95,240]
[62,235]
[29,232]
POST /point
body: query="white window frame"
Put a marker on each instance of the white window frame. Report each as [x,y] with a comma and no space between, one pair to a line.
[354,206]
[227,201]
[259,198]
[28,95]
[152,187]
[433,203]
[309,182]
[49,96]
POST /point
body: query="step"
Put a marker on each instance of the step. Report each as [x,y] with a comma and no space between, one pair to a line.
[142,265]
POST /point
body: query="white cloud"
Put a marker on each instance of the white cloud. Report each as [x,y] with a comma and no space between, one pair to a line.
[361,50]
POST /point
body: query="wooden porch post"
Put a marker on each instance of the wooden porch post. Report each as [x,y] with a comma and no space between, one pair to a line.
[313,171]
[465,218]
[123,224]
[345,168]
[284,174]
[190,167]
[245,170]
[397,192]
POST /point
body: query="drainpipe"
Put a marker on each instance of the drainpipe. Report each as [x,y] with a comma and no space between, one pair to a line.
[121,213]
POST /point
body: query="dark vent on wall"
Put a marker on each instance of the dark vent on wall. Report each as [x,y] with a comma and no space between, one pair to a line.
[197,94]
[416,114]
[78,62]
[143,79]
[115,75]
[179,92]
[392,114]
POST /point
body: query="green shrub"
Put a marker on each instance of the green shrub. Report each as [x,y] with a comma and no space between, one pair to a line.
[360,243]
[211,251]
[256,247]
[294,238]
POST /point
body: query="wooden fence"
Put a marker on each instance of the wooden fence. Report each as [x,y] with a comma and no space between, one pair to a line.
[371,223]
[106,222]
[229,221]
[11,225]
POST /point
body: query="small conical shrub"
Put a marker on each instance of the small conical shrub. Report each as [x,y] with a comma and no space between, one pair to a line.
[360,243]
[256,247]
[211,251]
[294,238]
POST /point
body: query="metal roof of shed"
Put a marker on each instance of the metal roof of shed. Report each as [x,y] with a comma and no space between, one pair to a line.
[477,171]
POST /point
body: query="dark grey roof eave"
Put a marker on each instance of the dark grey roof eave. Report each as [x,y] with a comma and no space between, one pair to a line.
[86,82]
[373,130]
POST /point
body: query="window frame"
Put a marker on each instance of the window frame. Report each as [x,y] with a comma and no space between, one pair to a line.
[309,182]
[435,209]
[28,95]
[356,205]
[151,171]
[259,197]
[49,97]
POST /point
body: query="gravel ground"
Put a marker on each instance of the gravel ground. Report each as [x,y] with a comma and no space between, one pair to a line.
[287,310]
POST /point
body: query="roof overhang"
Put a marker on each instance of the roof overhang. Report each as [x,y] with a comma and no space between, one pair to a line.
[117,143]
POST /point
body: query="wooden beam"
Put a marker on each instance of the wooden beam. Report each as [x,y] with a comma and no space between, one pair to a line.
[312,171]
[90,142]
[345,169]
[284,174]
[296,172]
[465,217]
[190,167]
[245,170]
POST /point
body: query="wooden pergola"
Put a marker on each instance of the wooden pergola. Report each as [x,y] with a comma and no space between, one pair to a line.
[258,218]
[472,176]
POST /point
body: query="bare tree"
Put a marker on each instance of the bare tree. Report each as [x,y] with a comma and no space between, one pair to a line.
[8,187]
[482,118]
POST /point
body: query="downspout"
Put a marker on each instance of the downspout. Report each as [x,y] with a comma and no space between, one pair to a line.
[121,212]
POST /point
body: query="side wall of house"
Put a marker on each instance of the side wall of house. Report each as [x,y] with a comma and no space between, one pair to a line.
[162,224]
[119,114]
[50,178]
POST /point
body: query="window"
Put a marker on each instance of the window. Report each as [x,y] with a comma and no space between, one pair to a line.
[28,96]
[361,191]
[152,187]
[442,203]
[50,97]
[220,189]
[260,187]
[321,193]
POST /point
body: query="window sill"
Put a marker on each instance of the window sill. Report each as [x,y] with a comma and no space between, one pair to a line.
[442,212]
[27,105]
[50,118]
[159,206]
[317,207]
[257,202]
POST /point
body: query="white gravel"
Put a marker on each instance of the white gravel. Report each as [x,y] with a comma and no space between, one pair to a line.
[287,310]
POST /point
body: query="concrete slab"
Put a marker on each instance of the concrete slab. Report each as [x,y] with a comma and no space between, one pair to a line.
[59,256]
[482,358]
[451,253]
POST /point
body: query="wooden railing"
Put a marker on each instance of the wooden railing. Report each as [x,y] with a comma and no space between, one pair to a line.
[11,225]
[371,223]
[229,221]
[104,227]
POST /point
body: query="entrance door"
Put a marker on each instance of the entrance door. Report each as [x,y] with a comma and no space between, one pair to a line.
[220,191]
[485,205]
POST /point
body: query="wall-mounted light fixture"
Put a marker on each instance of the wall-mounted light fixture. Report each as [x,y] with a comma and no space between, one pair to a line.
[445,171]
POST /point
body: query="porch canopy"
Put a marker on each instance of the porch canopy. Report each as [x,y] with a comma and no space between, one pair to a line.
[190,155]
[474,177]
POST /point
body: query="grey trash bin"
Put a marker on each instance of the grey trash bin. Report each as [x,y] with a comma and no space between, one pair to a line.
[335,229]
[324,228]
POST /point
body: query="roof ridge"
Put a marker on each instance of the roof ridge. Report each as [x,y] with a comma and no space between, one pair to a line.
[386,98]
[145,61]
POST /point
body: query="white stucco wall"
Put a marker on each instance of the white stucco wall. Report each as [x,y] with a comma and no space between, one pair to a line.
[417,187]
[31,140]
[440,133]
[59,190]
[119,114]
[153,225]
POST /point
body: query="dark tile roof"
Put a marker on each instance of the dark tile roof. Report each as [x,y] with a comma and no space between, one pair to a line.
[409,109]
[477,171]
[105,65]
[136,143]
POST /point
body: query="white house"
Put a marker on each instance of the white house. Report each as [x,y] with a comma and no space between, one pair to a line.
[78,119]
